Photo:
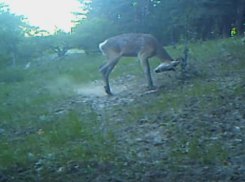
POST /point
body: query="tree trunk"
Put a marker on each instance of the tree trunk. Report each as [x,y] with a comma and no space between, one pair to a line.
[206,30]
[240,18]
[226,27]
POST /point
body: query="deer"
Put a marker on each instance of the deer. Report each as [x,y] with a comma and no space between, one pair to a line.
[143,46]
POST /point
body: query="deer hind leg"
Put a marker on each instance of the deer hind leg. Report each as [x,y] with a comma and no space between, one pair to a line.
[105,70]
[146,67]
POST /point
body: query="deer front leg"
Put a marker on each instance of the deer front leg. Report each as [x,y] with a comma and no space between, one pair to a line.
[105,70]
[146,67]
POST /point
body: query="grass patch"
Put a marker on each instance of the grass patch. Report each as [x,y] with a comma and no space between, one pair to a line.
[195,150]
[72,137]
[175,103]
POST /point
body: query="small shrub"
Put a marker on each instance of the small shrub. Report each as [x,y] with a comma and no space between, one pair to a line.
[12,75]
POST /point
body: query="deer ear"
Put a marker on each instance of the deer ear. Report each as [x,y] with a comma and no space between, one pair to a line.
[174,63]
[180,60]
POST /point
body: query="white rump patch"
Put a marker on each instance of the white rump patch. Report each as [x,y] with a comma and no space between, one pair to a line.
[101,45]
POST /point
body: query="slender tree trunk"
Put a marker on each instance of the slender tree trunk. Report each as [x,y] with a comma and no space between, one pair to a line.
[226,27]
[240,18]
[206,30]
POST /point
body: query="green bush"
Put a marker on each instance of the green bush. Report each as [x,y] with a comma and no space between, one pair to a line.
[12,75]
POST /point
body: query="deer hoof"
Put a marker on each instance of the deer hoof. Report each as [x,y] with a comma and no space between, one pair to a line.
[151,87]
[108,91]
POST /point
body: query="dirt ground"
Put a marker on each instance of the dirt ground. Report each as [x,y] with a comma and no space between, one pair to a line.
[194,144]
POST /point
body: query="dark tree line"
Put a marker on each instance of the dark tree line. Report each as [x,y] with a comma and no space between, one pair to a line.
[172,20]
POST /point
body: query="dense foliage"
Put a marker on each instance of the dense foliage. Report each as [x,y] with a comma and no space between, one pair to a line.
[170,21]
